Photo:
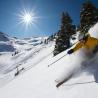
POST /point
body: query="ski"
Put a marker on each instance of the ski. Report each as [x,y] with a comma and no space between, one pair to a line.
[18,71]
[71,75]
[79,83]
[65,80]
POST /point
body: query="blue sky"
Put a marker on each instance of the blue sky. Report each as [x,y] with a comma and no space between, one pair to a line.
[49,12]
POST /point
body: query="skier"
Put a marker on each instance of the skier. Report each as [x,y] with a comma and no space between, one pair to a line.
[87,42]
[17,71]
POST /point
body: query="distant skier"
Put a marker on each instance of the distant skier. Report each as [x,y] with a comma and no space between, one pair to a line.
[16,52]
[18,70]
[90,44]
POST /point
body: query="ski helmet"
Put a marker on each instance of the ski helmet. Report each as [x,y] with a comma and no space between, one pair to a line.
[83,36]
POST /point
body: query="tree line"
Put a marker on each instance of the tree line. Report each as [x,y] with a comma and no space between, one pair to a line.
[88,17]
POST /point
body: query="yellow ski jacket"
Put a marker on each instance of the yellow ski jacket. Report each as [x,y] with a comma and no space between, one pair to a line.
[90,44]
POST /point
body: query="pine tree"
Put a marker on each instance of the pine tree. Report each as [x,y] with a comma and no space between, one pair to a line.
[64,34]
[88,16]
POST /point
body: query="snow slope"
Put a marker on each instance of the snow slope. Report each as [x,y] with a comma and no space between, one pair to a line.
[39,82]
[23,53]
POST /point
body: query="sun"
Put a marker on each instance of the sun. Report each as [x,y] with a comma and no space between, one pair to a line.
[27,18]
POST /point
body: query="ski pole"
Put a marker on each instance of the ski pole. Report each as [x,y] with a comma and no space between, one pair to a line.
[56,60]
[61,57]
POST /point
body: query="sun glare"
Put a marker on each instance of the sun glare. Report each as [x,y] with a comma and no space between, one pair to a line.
[27,18]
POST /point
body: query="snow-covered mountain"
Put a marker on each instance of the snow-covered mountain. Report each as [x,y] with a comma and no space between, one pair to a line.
[3,37]
[27,43]
[37,80]
[18,51]
[5,43]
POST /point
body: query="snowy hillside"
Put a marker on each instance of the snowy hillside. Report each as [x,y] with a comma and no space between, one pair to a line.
[3,37]
[27,43]
[17,52]
[36,80]
[5,43]
[39,82]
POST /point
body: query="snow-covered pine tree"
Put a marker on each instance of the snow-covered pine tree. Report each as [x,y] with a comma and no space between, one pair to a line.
[88,16]
[64,34]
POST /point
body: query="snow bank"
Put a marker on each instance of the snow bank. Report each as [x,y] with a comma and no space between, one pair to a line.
[94,31]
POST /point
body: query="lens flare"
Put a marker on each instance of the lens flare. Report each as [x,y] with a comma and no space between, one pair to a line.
[27,18]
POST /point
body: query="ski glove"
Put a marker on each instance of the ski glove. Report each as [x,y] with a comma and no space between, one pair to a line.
[70,51]
[96,49]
